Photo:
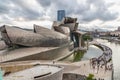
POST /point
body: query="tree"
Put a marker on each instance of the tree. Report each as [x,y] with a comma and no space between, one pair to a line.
[86,37]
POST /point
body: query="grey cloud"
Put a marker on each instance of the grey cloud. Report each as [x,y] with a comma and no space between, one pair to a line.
[3,10]
[25,12]
[72,7]
[20,10]
[101,12]
[4,7]
[83,10]
[44,3]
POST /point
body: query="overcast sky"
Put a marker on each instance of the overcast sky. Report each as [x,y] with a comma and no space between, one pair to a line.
[103,14]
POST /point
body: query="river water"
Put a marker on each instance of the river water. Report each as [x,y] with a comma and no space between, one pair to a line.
[92,52]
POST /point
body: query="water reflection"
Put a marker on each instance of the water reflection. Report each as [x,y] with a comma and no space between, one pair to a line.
[77,56]
[92,52]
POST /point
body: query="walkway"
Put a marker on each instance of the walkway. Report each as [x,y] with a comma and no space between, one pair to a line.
[80,68]
[105,60]
[83,67]
[107,52]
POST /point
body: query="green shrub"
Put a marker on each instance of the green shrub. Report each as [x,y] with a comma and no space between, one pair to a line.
[90,77]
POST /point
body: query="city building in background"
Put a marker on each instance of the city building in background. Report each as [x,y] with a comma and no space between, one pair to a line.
[60,15]
[119,28]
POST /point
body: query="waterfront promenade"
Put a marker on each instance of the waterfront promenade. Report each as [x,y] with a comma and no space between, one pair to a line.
[83,68]
[107,53]
[77,68]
